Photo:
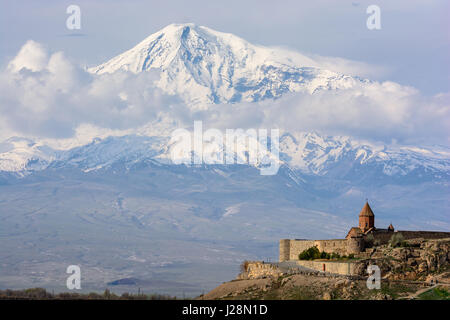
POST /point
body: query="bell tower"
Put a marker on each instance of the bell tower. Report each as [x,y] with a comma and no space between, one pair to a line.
[366,218]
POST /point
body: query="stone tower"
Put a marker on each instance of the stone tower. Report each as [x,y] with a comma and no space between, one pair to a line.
[366,218]
[355,245]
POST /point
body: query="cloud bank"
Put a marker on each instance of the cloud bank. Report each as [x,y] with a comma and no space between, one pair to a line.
[46,96]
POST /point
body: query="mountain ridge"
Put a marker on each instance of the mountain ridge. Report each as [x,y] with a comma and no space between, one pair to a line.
[304,153]
[205,66]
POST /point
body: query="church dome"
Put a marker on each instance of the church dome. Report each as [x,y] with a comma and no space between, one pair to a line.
[366,211]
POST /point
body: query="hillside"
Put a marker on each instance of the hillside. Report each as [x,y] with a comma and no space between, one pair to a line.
[418,270]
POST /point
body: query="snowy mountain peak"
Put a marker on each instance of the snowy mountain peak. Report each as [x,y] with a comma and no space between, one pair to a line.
[21,154]
[205,66]
[187,42]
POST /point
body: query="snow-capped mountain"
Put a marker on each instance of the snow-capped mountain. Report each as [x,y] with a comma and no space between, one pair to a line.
[315,154]
[305,153]
[205,66]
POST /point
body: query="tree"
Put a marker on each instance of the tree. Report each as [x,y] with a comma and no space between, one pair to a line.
[310,254]
[396,240]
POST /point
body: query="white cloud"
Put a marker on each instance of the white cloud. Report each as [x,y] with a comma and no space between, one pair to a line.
[377,111]
[47,97]
[336,64]
[351,67]
[31,56]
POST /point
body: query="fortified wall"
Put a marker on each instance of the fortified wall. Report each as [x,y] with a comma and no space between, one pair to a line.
[290,249]
[384,237]
[260,269]
[356,239]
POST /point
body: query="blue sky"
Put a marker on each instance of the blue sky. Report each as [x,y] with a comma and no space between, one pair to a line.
[409,57]
[413,44]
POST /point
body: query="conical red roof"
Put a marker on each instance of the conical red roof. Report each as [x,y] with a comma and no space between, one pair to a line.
[366,211]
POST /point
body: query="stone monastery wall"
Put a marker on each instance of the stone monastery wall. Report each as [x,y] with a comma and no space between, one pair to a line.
[290,249]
